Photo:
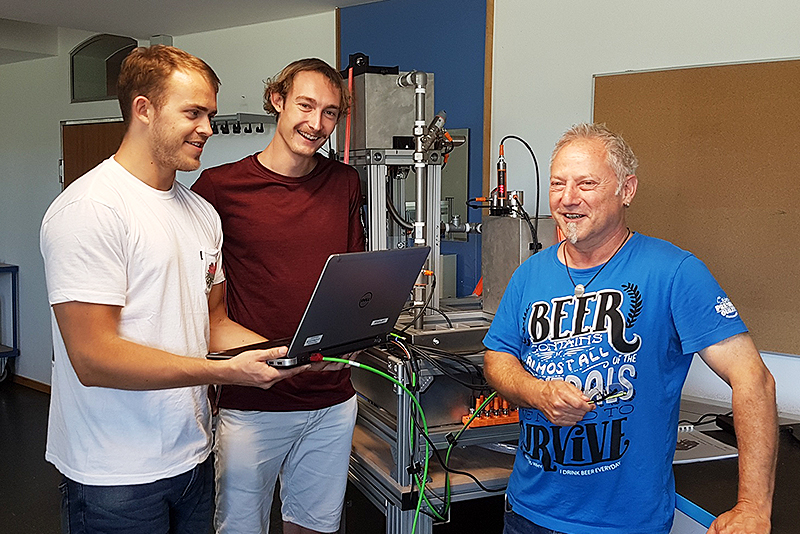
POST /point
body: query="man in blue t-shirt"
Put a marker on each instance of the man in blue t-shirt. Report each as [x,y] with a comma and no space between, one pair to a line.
[593,340]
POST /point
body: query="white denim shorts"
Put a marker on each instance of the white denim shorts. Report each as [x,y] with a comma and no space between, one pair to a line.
[309,450]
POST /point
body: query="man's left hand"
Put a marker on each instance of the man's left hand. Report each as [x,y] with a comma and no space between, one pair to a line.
[744,518]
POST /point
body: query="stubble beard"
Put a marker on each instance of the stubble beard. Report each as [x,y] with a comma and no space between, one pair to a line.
[167,152]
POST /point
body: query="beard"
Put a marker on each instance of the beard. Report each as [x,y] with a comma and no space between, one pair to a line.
[572,232]
[166,149]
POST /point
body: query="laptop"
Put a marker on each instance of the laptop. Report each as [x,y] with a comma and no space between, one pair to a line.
[355,305]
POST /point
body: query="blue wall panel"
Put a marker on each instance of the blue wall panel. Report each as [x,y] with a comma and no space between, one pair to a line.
[446,37]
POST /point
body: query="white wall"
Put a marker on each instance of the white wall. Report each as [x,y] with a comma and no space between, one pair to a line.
[34,98]
[244,57]
[545,56]
[546,53]
[703,383]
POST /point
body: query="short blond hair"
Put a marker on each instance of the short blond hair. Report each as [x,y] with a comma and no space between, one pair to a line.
[146,70]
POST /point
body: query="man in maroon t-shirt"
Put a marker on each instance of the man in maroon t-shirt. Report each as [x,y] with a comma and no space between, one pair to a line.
[284,211]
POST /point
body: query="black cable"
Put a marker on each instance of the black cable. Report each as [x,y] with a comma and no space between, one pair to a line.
[455,471]
[443,463]
[538,185]
[413,363]
[469,385]
[432,359]
[422,309]
[701,419]
[480,206]
[440,312]
[413,354]
[437,310]
[331,152]
[390,207]
[453,356]
[481,386]
[533,229]
[443,352]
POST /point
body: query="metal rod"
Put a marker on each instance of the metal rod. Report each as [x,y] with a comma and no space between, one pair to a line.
[419,80]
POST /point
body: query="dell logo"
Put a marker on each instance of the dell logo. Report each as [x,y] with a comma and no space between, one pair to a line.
[365,299]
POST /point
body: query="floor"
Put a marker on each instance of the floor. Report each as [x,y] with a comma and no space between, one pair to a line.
[30,501]
[29,497]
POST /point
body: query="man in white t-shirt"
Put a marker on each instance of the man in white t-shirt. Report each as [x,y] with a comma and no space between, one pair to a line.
[133,268]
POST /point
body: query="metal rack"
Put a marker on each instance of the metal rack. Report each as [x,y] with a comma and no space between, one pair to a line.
[13,350]
[373,166]
[384,444]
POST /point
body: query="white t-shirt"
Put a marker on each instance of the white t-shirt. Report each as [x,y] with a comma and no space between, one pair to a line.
[111,239]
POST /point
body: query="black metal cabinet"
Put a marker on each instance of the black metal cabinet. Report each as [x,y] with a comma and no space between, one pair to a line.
[10,274]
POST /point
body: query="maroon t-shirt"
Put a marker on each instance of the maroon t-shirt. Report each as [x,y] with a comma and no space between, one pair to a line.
[278,233]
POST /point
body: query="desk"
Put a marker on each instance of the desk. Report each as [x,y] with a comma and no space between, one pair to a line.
[690,518]
[713,485]
[710,485]
[382,443]
[373,460]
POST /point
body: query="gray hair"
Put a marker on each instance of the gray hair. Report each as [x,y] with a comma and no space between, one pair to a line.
[619,155]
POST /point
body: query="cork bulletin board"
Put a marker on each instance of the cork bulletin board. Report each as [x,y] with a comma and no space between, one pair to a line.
[719,175]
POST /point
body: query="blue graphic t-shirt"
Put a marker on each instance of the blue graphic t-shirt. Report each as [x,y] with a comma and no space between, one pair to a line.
[632,333]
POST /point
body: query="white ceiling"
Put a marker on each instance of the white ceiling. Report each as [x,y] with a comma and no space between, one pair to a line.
[141,19]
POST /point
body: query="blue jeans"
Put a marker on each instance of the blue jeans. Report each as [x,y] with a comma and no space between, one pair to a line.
[516,524]
[182,504]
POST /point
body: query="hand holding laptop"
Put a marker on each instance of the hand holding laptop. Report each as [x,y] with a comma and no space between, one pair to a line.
[252,369]
[355,304]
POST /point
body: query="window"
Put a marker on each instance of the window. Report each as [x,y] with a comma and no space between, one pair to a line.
[95,64]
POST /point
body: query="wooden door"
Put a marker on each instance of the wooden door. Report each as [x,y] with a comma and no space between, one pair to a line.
[85,145]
